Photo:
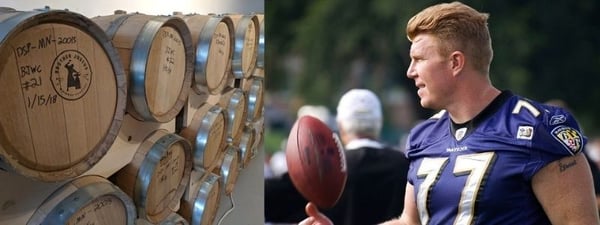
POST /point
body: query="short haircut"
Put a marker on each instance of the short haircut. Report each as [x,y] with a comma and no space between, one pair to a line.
[457,27]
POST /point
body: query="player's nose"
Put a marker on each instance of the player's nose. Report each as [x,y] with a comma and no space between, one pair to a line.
[411,72]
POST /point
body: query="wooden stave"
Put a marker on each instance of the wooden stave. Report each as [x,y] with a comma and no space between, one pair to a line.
[230,101]
[260,60]
[203,193]
[230,168]
[139,57]
[238,59]
[28,19]
[246,146]
[202,49]
[70,195]
[194,210]
[146,169]
[254,89]
[141,176]
[198,133]
[138,105]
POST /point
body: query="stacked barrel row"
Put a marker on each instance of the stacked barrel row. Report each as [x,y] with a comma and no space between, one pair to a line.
[219,125]
[126,118]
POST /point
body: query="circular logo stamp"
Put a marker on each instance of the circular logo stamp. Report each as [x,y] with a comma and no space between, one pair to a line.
[71,75]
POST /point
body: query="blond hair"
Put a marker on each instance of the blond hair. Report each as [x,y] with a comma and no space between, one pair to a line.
[457,27]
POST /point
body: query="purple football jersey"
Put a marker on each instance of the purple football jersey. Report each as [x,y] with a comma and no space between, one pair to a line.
[480,172]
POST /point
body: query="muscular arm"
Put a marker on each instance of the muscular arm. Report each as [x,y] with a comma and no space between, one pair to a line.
[410,214]
[565,190]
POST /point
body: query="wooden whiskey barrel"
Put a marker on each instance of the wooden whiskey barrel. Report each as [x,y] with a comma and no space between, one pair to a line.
[233,101]
[260,60]
[246,146]
[253,88]
[64,93]
[202,207]
[212,37]
[158,57]
[86,200]
[206,133]
[245,51]
[230,168]
[158,175]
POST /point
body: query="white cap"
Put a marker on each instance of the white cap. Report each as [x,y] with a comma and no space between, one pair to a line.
[360,108]
[318,111]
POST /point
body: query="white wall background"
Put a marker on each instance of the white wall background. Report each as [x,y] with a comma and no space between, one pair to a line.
[152,7]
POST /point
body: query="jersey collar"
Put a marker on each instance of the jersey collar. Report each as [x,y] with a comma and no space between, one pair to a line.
[459,131]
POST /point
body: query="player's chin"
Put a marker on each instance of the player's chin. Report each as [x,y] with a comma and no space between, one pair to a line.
[425,101]
[431,105]
[425,105]
[428,100]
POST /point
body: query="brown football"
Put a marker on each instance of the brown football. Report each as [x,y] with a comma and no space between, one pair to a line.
[316,161]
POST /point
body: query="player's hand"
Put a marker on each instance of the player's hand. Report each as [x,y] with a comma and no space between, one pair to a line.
[314,216]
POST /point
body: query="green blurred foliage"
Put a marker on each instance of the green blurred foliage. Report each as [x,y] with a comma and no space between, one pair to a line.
[273,141]
[543,49]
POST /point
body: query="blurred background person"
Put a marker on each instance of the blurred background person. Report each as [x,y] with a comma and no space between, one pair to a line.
[376,172]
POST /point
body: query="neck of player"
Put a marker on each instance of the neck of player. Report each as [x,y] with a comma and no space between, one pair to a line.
[472,96]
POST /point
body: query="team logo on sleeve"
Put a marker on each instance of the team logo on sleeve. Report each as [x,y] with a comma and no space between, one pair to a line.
[568,137]
[557,119]
[525,132]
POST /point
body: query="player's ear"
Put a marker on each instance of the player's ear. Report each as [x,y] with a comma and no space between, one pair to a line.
[457,59]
